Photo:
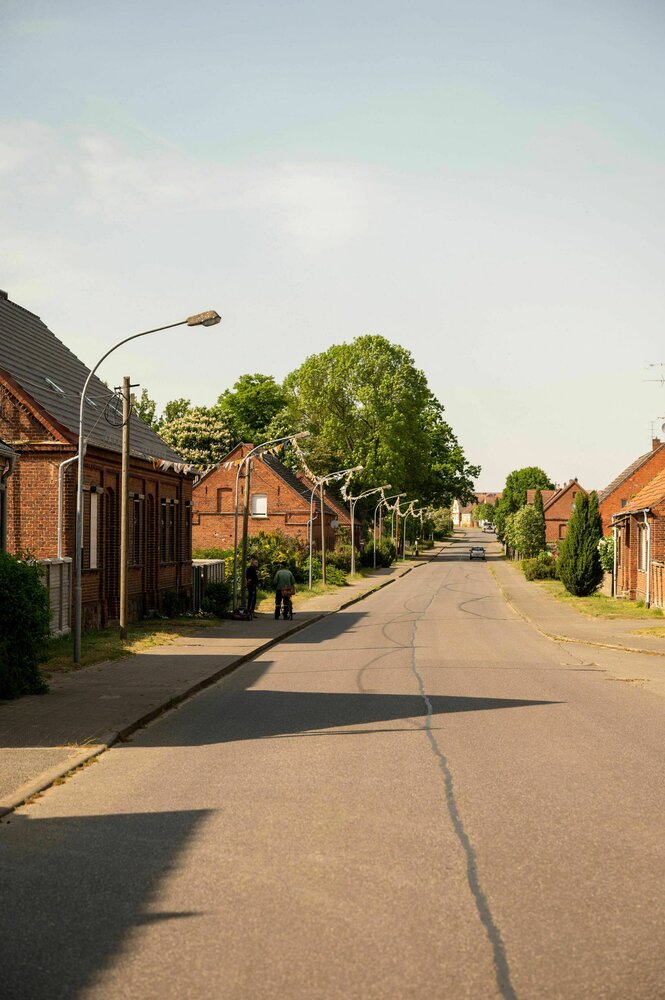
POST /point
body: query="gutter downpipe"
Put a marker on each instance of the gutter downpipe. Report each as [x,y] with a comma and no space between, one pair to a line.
[61,484]
[11,461]
[648,566]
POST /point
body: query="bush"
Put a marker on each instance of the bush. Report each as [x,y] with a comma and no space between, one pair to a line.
[541,567]
[606,553]
[341,558]
[385,553]
[173,603]
[24,627]
[218,598]
[213,553]
[335,576]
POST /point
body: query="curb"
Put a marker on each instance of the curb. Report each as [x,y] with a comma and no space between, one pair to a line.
[567,638]
[108,739]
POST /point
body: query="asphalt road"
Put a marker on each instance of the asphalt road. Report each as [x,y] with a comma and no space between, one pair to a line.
[419,797]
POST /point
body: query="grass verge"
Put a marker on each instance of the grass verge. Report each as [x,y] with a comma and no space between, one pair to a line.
[106,644]
[600,605]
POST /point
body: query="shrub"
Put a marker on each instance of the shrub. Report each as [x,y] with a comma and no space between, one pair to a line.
[218,598]
[541,567]
[24,628]
[385,553]
[606,553]
[341,558]
[173,603]
[335,576]
[213,553]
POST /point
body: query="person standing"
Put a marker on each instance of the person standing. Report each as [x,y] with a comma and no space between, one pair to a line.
[252,580]
[285,584]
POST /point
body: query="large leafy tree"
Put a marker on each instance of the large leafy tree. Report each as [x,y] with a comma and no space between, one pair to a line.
[513,495]
[580,567]
[366,403]
[251,405]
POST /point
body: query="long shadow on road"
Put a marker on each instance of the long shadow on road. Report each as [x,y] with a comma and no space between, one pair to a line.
[259,714]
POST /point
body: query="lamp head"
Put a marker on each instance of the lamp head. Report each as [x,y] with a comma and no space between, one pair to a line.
[300,435]
[210,318]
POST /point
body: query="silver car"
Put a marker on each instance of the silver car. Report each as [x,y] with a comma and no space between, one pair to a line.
[476,552]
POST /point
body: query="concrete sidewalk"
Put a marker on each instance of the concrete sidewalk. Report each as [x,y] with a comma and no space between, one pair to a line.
[562,622]
[85,712]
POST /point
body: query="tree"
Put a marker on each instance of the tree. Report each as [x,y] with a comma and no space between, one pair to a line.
[524,528]
[483,512]
[202,435]
[366,403]
[145,408]
[173,410]
[540,514]
[513,495]
[580,568]
[251,406]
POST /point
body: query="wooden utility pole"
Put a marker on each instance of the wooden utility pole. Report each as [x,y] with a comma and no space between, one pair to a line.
[323,537]
[245,529]
[124,507]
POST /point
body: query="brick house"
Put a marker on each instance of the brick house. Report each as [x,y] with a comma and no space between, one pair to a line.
[279,501]
[629,482]
[40,385]
[639,529]
[557,506]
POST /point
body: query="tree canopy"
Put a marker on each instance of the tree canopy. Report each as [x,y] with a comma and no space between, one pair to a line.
[365,403]
[513,495]
[202,435]
[251,406]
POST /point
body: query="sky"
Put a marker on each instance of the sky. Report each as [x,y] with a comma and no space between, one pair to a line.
[480,182]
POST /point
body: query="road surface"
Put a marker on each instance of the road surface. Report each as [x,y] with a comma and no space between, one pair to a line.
[418,797]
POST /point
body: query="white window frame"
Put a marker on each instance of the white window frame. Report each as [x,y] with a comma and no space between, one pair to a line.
[256,512]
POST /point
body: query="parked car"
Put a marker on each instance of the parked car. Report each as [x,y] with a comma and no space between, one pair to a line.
[476,552]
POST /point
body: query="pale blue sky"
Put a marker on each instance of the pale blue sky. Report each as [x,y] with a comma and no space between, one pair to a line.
[483,183]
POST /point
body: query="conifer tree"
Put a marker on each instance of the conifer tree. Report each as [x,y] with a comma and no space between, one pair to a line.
[579,560]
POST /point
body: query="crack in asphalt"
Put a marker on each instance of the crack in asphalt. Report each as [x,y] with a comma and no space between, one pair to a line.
[500,958]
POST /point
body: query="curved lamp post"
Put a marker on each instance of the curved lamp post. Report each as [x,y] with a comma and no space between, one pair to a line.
[209,318]
[352,504]
[381,502]
[317,485]
[248,457]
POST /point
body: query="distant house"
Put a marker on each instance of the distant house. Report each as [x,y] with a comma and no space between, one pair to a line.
[462,515]
[40,389]
[639,529]
[279,501]
[491,498]
[7,461]
[635,477]
[558,506]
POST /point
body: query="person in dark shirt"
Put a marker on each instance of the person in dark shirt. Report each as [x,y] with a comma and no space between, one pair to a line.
[252,579]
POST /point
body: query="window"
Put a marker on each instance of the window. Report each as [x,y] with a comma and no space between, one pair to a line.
[162,530]
[171,532]
[642,543]
[187,546]
[259,505]
[623,503]
[562,530]
[94,517]
[220,495]
[135,532]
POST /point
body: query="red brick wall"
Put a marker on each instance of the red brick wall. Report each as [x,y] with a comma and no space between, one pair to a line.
[32,512]
[558,515]
[627,490]
[288,512]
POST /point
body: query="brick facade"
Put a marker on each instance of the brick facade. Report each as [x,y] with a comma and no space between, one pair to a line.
[616,496]
[640,545]
[557,507]
[273,488]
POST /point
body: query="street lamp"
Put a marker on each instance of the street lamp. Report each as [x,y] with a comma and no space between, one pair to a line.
[352,504]
[409,510]
[318,483]
[381,502]
[250,454]
[209,318]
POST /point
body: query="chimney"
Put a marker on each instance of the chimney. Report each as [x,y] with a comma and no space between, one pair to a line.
[655,444]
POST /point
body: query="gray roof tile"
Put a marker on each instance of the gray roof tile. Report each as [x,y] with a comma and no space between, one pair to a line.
[30,354]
